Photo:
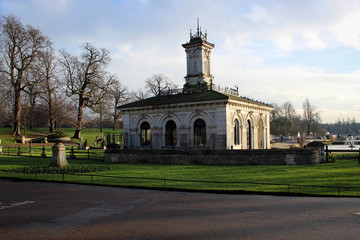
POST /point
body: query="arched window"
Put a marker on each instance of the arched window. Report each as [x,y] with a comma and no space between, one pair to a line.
[199,133]
[170,133]
[249,135]
[145,134]
[236,132]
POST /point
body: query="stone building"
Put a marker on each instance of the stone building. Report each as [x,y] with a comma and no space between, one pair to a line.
[198,115]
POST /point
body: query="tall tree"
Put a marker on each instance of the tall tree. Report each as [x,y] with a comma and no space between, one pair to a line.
[119,95]
[86,78]
[288,112]
[276,113]
[32,92]
[20,46]
[311,116]
[100,105]
[49,82]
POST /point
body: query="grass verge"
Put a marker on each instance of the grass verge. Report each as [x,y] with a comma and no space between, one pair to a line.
[335,179]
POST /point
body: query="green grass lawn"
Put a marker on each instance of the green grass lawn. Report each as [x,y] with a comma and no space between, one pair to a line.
[344,174]
[88,134]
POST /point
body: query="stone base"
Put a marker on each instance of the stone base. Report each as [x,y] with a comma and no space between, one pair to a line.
[59,156]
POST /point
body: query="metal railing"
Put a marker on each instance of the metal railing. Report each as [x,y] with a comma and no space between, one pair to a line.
[328,152]
[46,152]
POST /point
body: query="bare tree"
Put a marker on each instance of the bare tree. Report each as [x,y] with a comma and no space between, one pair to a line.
[158,83]
[100,106]
[120,95]
[20,46]
[32,91]
[86,79]
[6,97]
[275,114]
[64,111]
[139,94]
[311,116]
[47,74]
[101,110]
[288,111]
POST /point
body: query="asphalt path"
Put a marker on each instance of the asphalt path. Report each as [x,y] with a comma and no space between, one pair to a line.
[36,210]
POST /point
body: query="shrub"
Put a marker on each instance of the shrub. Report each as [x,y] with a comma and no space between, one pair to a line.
[71,169]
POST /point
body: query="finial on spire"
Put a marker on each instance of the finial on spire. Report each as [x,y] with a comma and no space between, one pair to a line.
[198,33]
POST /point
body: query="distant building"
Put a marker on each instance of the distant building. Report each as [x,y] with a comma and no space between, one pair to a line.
[199,115]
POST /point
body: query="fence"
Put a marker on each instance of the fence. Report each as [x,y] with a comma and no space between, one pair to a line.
[115,139]
[71,153]
[194,185]
[328,152]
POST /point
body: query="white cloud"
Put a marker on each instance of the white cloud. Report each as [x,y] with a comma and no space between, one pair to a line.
[283,40]
[347,30]
[313,39]
[259,14]
[335,92]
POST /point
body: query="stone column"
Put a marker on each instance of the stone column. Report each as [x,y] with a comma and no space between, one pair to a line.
[256,138]
[156,138]
[183,137]
[244,134]
[59,155]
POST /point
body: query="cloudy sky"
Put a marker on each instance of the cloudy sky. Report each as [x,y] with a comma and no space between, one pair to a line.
[274,50]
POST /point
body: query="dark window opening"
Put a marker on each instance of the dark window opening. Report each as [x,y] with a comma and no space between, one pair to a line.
[236,132]
[199,133]
[145,134]
[249,136]
[170,133]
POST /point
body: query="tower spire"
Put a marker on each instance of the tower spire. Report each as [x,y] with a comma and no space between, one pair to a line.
[198,33]
[198,29]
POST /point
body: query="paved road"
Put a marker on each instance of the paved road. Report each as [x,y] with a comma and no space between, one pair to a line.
[34,210]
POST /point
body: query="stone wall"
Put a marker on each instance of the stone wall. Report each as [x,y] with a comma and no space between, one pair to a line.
[227,157]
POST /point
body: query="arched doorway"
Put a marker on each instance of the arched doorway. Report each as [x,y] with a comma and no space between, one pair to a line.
[145,135]
[249,134]
[236,132]
[170,133]
[199,133]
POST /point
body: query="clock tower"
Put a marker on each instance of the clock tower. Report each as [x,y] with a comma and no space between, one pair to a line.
[198,53]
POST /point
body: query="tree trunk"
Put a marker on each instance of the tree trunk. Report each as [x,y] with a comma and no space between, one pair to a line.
[309,128]
[51,117]
[24,127]
[101,123]
[31,113]
[114,127]
[52,125]
[79,119]
[115,118]
[77,134]
[17,112]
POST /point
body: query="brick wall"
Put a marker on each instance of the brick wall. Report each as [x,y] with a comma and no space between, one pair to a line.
[231,157]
